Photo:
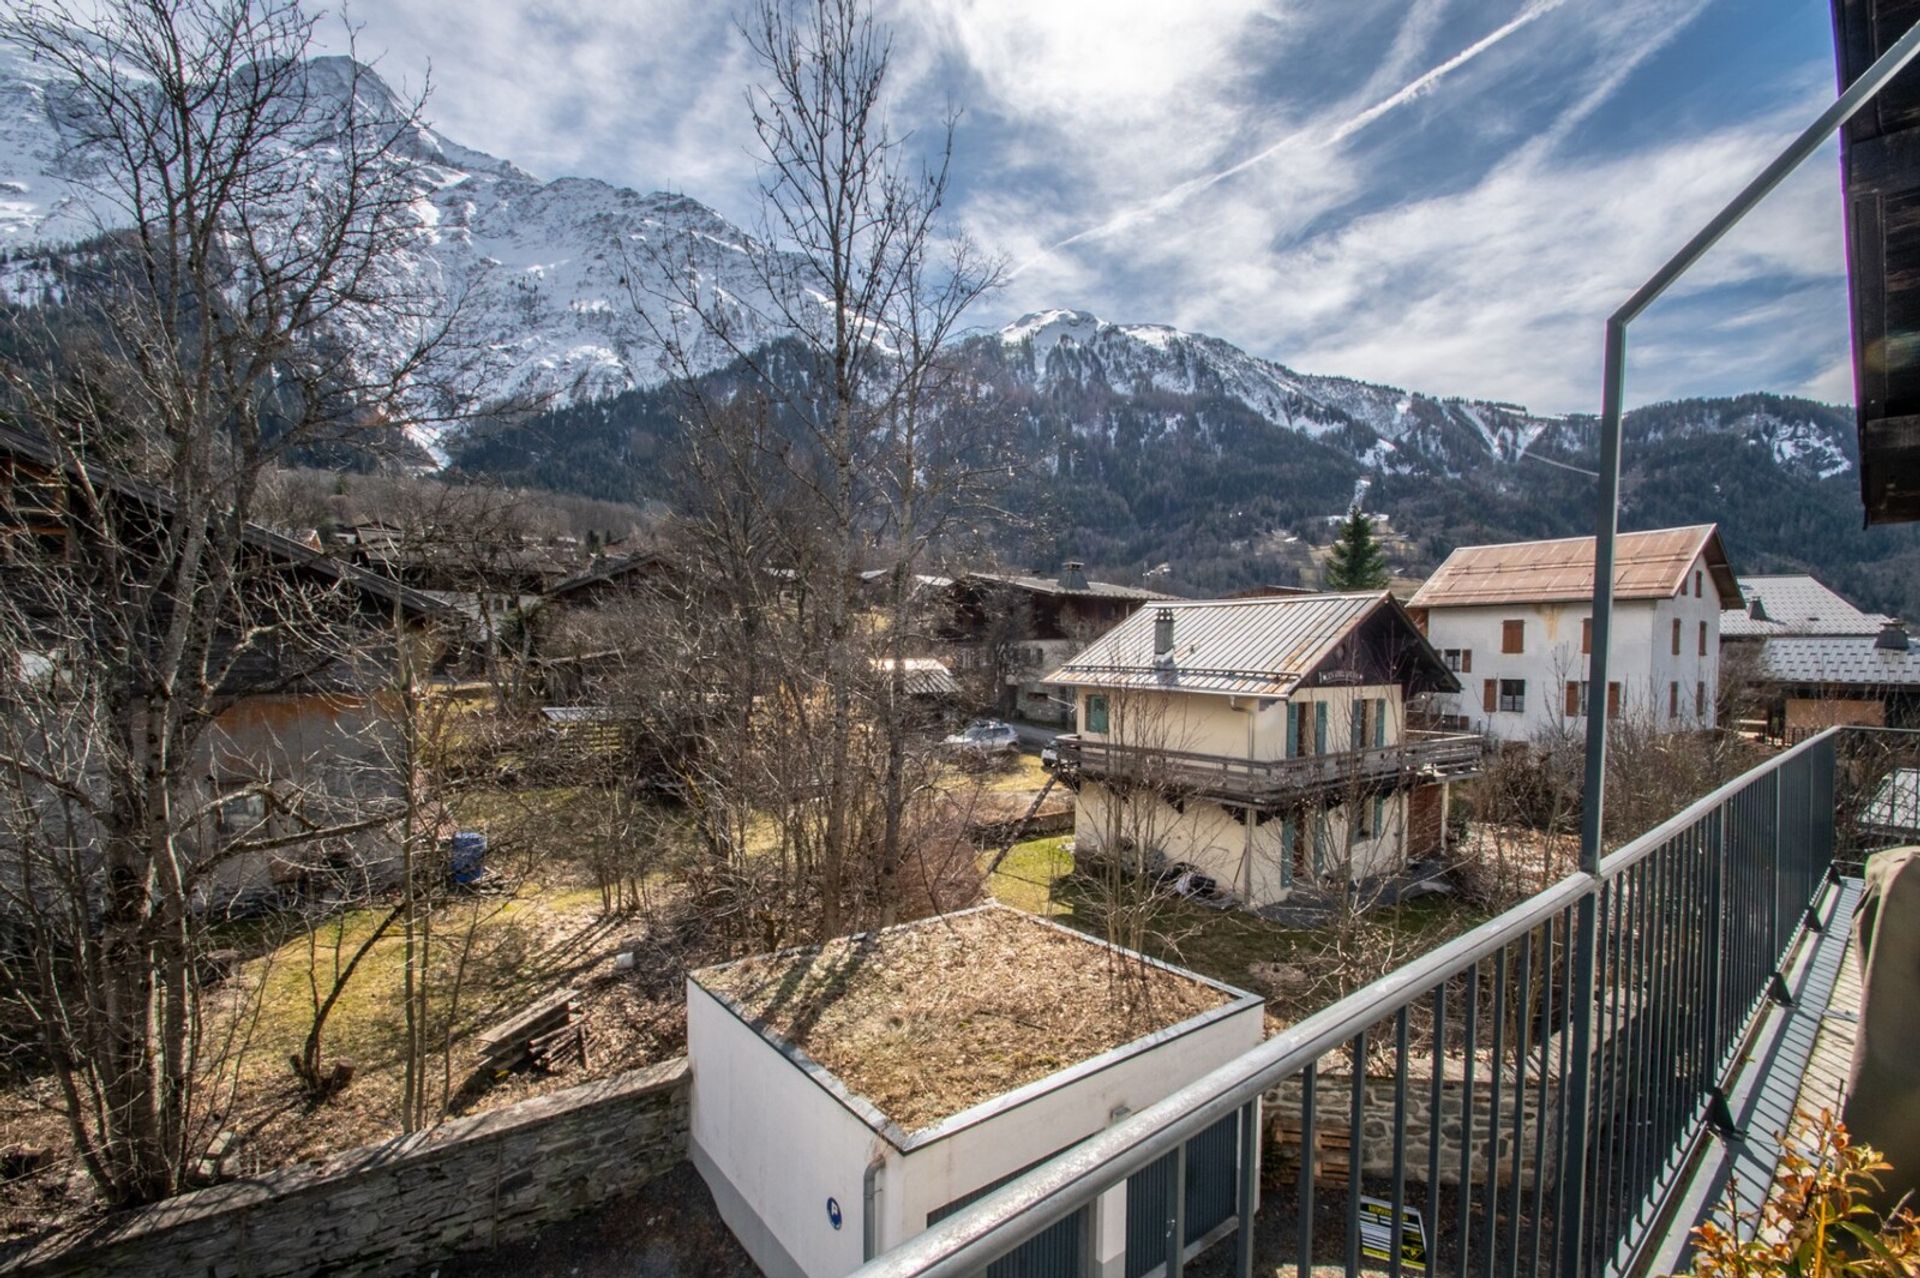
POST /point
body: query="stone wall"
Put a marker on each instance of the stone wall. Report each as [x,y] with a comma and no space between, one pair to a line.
[470,1183]
[1333,1109]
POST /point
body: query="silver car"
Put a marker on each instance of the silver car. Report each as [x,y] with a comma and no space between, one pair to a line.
[984,738]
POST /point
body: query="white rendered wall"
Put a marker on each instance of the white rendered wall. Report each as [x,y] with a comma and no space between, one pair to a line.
[1234,727]
[1642,661]
[781,1143]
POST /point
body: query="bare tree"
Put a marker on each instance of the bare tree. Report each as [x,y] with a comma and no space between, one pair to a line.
[855,405]
[255,205]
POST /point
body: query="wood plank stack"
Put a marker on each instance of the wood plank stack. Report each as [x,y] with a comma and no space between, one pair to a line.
[1332,1149]
[541,1035]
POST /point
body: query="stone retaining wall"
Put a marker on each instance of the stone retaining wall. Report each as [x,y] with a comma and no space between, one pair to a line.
[1333,1109]
[472,1182]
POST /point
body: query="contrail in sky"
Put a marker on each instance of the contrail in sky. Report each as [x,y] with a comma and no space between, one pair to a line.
[1178,194]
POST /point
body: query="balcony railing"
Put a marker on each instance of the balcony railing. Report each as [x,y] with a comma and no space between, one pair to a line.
[1448,1079]
[1420,756]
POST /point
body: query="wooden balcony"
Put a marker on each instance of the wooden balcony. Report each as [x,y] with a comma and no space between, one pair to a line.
[1420,758]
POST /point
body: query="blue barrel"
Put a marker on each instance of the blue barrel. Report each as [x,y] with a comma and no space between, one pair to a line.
[469,853]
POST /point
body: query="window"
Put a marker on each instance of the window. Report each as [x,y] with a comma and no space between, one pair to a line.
[1676,636]
[1513,636]
[1700,699]
[1513,696]
[242,814]
[1673,700]
[1586,634]
[1360,828]
[1696,584]
[1096,713]
[1458,660]
[1576,697]
[1703,638]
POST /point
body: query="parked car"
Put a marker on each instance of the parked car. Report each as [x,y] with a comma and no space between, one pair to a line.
[984,738]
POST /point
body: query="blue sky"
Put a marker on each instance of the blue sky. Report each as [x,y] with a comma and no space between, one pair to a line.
[1446,195]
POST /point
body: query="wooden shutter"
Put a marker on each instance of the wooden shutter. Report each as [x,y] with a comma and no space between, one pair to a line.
[1573,696]
[1700,699]
[1359,726]
[1613,701]
[1293,730]
[1586,635]
[1673,699]
[1380,722]
[1487,695]
[1466,661]
[1319,727]
[1513,636]
[1676,636]
[1703,638]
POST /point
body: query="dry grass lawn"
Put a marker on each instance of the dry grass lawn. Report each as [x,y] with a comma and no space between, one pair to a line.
[927,1020]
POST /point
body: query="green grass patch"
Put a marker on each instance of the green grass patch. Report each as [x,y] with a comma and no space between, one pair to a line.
[1027,877]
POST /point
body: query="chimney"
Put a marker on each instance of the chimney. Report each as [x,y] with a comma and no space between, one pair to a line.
[1163,633]
[1757,610]
[1892,636]
[1073,575]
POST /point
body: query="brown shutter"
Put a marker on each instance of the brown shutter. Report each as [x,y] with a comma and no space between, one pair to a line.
[1703,638]
[1573,696]
[1466,661]
[1613,701]
[1486,695]
[1586,634]
[1513,636]
[1676,636]
[1673,700]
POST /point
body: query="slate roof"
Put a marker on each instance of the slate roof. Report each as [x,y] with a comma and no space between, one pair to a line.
[1229,647]
[1796,604]
[1647,565]
[1848,660]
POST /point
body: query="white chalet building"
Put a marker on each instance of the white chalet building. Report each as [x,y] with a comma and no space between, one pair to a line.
[1513,621]
[1260,742]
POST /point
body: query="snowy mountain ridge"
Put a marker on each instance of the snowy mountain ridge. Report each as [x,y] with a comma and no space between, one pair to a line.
[573,290]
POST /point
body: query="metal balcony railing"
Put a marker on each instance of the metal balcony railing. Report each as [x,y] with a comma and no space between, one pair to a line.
[1444,1086]
[1420,756]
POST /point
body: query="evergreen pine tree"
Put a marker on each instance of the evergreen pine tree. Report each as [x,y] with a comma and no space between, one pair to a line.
[1357,562]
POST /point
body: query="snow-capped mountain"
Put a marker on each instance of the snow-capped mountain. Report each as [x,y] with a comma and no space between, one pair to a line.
[568,287]
[1061,347]
[570,284]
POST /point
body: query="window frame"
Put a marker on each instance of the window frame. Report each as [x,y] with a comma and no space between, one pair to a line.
[1511,696]
[1099,714]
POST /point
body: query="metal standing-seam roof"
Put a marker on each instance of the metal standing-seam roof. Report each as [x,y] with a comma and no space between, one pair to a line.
[1054,586]
[1795,604]
[1850,660]
[1647,565]
[1228,647]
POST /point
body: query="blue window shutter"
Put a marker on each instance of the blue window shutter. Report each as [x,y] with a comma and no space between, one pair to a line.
[1380,722]
[1286,851]
[1293,728]
[1319,727]
[1359,715]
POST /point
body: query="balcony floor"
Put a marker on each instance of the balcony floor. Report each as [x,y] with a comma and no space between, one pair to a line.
[1799,1058]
